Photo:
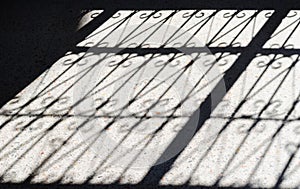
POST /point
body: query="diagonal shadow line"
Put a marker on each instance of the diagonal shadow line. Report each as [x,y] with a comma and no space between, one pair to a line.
[241,31]
[291,33]
[282,175]
[154,176]
[112,25]
[247,21]
[285,28]
[202,22]
[122,41]
[224,26]
[86,30]
[292,171]
[160,23]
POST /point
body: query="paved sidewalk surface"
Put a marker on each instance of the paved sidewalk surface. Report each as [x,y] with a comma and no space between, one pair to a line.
[161,98]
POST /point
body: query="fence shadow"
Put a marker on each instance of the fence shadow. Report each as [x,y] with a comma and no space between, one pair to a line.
[209,115]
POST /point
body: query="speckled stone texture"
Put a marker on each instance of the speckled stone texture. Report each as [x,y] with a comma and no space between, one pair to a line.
[154,98]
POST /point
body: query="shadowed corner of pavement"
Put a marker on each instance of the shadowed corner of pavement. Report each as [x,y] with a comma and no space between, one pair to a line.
[33,35]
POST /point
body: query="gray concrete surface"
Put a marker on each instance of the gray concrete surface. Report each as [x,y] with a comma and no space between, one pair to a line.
[102,117]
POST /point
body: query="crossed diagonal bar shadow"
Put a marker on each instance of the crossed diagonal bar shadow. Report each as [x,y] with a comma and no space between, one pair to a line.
[245,136]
